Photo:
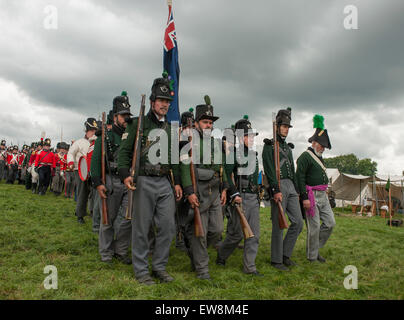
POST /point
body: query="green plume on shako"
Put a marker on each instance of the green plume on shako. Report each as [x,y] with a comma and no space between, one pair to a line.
[207,100]
[318,122]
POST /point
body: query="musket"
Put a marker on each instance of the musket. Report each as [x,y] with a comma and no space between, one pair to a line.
[198,228]
[283,224]
[134,170]
[103,178]
[245,226]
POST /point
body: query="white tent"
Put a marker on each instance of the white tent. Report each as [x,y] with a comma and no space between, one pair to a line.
[350,188]
[358,189]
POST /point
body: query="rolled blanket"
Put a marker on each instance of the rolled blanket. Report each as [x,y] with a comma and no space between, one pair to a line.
[322,187]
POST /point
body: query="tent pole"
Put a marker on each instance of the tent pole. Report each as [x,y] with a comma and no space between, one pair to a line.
[377,201]
[402,193]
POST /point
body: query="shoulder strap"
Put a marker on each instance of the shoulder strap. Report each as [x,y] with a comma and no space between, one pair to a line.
[43,157]
[317,160]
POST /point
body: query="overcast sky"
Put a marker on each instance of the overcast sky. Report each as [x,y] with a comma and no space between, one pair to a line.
[251,57]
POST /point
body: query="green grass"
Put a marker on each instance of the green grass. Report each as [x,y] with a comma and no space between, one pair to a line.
[38,231]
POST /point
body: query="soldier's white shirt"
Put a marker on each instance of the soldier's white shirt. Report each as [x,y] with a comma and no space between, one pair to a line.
[78,149]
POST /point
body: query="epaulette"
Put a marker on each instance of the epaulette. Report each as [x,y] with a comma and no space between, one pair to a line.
[291,145]
[269,142]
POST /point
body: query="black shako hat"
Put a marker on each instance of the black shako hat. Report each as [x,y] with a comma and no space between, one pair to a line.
[162,88]
[121,104]
[205,111]
[187,115]
[244,124]
[47,142]
[91,124]
[284,116]
[321,134]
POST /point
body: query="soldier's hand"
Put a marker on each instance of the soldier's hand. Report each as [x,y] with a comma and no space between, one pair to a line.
[278,197]
[193,200]
[178,192]
[223,197]
[71,167]
[306,204]
[237,199]
[102,191]
[128,182]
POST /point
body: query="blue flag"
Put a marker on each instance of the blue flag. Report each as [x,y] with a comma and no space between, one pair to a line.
[170,61]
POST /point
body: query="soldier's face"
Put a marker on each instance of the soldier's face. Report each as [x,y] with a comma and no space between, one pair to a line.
[160,107]
[120,119]
[249,140]
[284,130]
[90,133]
[205,124]
[318,148]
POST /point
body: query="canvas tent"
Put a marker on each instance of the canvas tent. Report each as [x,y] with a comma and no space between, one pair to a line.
[358,189]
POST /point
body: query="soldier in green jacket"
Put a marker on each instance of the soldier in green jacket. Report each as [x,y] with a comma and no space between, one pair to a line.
[282,248]
[114,238]
[243,189]
[211,183]
[154,199]
[313,183]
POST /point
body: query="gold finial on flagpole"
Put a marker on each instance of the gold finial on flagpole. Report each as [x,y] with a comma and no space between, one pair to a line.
[170,2]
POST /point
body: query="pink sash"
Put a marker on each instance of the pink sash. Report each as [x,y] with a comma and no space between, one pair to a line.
[322,187]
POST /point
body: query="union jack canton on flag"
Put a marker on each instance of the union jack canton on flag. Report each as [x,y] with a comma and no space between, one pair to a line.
[170,61]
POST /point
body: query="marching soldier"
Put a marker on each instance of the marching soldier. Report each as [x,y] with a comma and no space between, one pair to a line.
[58,181]
[243,190]
[211,184]
[68,175]
[3,160]
[313,183]
[45,165]
[28,176]
[153,196]
[114,238]
[282,248]
[12,163]
[183,237]
[77,150]
[31,164]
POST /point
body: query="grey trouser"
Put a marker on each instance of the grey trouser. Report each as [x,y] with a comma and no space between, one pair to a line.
[96,211]
[69,183]
[23,174]
[212,222]
[57,181]
[83,191]
[2,169]
[318,235]
[234,233]
[113,238]
[290,203]
[12,173]
[153,201]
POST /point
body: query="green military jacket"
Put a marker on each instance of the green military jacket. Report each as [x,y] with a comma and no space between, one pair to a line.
[309,172]
[186,173]
[287,170]
[112,143]
[128,141]
[251,180]
[26,159]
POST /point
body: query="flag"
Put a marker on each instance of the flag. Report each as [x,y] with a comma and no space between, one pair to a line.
[388,185]
[170,61]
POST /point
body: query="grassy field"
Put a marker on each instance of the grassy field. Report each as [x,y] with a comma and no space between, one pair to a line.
[38,231]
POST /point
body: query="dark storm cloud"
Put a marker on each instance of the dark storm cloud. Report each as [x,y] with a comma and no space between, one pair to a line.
[250,57]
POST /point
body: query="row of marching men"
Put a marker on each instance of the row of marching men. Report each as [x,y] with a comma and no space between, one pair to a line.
[27,165]
[164,190]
